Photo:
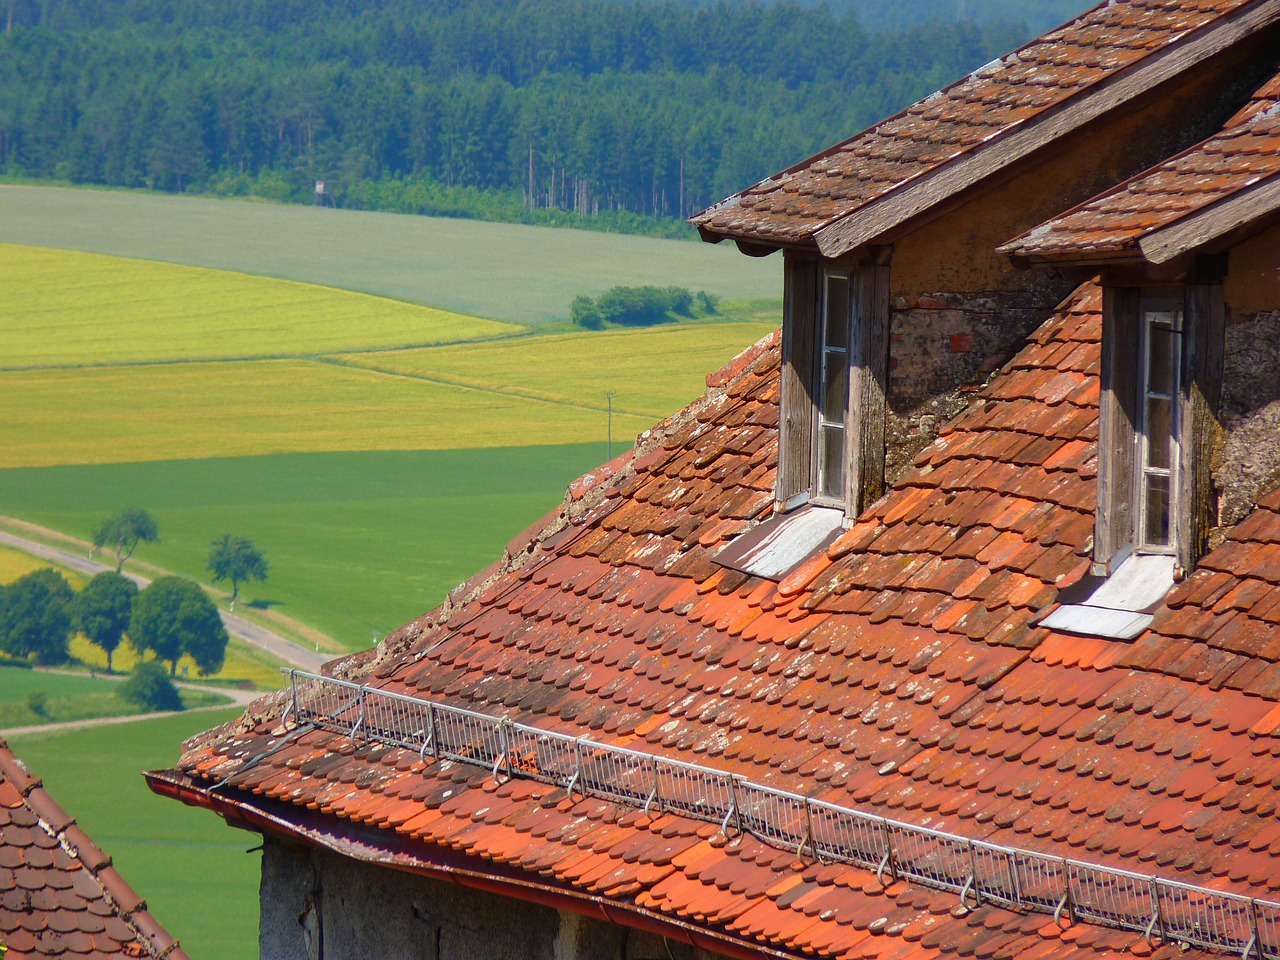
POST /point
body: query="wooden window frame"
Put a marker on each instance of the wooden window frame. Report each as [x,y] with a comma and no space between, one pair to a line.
[800,422]
[1122,440]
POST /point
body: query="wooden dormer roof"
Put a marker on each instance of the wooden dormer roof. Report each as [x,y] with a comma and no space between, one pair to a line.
[864,187]
[1214,191]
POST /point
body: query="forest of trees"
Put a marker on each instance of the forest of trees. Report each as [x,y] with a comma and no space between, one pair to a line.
[507,109]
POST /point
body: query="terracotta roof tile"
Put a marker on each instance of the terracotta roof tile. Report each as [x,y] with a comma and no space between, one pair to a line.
[904,676]
[59,894]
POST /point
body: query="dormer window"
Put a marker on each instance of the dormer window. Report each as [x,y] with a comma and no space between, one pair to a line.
[835,335]
[1161,375]
[1156,441]
[1161,364]
[832,412]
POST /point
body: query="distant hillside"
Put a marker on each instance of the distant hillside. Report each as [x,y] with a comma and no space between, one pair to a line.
[1037,15]
[616,113]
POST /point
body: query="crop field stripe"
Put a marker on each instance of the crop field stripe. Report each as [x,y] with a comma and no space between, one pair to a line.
[652,372]
[66,309]
[479,386]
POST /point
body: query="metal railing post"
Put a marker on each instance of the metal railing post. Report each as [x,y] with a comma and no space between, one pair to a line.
[1157,915]
[355,728]
[1015,878]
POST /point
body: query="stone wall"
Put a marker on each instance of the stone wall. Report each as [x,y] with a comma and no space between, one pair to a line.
[1247,455]
[317,905]
[942,346]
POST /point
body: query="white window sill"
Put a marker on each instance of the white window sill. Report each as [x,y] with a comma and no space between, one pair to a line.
[776,547]
[1120,607]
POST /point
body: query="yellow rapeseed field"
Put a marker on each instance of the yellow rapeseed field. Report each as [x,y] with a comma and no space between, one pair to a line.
[196,410]
[111,360]
[652,372]
[63,308]
[14,564]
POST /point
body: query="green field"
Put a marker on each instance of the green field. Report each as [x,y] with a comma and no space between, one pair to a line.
[359,543]
[71,309]
[72,697]
[192,869]
[503,271]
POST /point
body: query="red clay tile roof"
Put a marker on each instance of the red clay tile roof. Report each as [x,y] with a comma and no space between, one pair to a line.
[59,894]
[1245,153]
[900,673]
[977,111]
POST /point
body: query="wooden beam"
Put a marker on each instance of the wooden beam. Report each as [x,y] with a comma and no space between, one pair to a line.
[868,372]
[799,358]
[915,196]
[1238,212]
[1117,486]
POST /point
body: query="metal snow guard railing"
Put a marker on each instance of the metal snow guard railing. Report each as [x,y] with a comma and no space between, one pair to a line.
[978,871]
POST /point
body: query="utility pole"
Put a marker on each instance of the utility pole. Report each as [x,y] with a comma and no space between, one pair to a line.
[609,448]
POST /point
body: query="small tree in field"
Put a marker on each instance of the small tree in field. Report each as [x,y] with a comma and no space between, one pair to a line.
[35,617]
[238,560]
[124,531]
[172,617]
[103,608]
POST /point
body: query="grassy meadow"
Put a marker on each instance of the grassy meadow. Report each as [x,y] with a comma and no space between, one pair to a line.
[181,859]
[525,275]
[359,543]
[72,697]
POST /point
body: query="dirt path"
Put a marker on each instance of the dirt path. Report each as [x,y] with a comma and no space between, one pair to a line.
[242,697]
[251,633]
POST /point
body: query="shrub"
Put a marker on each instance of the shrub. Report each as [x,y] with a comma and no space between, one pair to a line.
[583,312]
[37,702]
[632,307]
[150,687]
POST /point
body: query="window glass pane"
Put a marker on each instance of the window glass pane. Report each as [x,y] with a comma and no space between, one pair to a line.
[835,389]
[837,316]
[831,464]
[1161,351]
[1156,514]
[1159,432]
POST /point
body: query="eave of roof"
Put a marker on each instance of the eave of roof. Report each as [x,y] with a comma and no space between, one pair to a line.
[1218,191]
[861,189]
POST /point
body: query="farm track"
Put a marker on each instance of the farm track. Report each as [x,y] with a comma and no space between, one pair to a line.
[254,634]
[268,357]
[460,384]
